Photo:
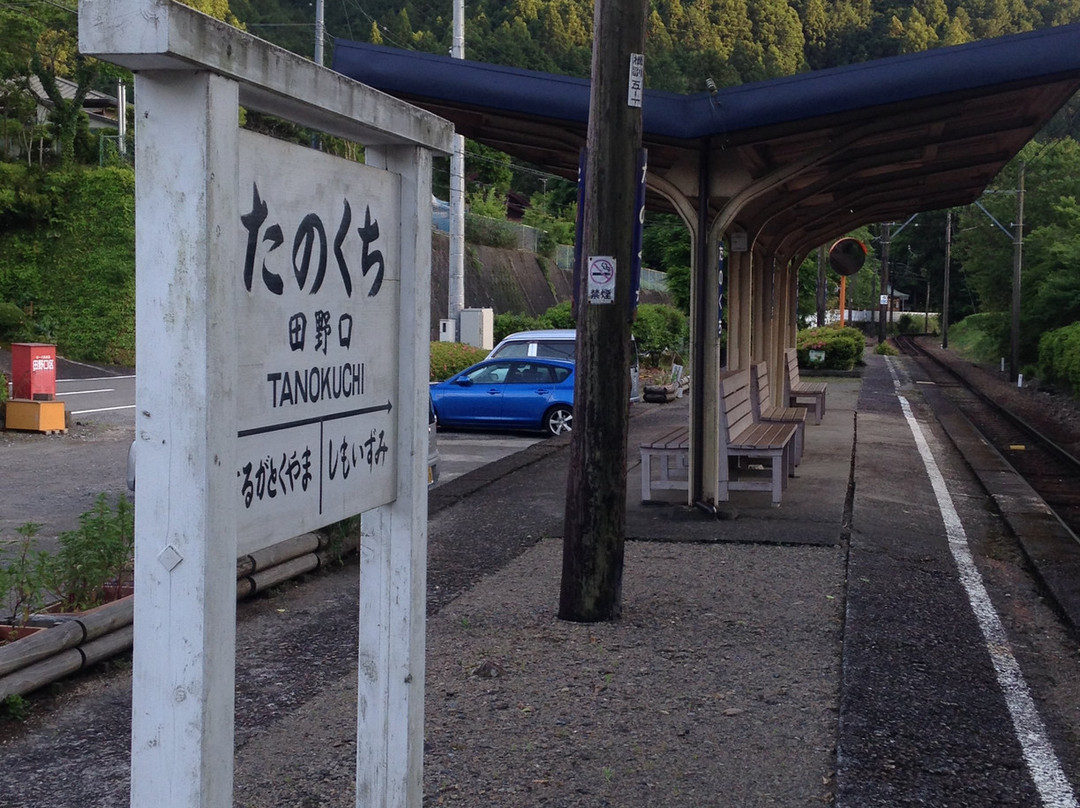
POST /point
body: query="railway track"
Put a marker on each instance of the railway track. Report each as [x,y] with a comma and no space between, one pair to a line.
[1048,467]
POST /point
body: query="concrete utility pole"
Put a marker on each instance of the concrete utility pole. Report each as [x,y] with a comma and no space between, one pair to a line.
[595,519]
[883,306]
[945,290]
[886,240]
[1018,252]
[821,290]
[456,276]
[320,31]
[1017,236]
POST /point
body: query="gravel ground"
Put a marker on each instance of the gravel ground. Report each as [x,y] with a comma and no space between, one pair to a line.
[523,709]
[1050,411]
[620,713]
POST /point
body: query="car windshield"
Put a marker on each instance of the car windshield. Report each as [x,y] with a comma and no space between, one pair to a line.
[562,349]
[513,350]
[494,373]
[556,350]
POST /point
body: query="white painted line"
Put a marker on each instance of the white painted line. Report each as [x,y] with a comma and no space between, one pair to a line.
[96,379]
[104,409]
[1042,761]
[84,392]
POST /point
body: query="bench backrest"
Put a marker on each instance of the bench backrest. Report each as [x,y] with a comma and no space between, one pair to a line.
[791,374]
[760,389]
[736,411]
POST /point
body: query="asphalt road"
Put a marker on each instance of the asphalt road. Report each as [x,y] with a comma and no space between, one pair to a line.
[103,400]
[50,480]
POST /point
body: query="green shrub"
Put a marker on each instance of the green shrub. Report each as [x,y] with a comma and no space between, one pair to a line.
[12,320]
[506,324]
[15,707]
[843,347]
[491,232]
[3,390]
[560,315]
[24,577]
[659,329]
[95,557]
[981,337]
[67,257]
[487,202]
[885,349]
[448,358]
[1059,357]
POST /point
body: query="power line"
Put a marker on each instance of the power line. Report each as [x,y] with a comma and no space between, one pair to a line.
[382,29]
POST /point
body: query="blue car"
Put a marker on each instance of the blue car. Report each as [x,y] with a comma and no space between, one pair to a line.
[521,393]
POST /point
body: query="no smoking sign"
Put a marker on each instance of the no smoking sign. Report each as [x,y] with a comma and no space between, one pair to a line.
[601,279]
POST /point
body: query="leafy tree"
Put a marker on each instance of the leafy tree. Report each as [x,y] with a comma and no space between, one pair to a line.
[815,26]
[1052,173]
[487,202]
[916,34]
[665,246]
[18,36]
[487,169]
[558,222]
[1051,278]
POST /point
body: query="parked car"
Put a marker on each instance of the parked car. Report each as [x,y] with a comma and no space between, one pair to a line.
[432,445]
[556,343]
[510,393]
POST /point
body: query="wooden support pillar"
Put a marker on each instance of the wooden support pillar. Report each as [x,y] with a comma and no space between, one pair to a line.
[393,548]
[183,668]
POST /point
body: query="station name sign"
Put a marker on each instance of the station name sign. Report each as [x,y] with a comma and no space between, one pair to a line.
[317,322]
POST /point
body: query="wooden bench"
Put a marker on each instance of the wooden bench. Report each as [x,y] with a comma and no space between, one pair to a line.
[671,451]
[742,440]
[798,392]
[748,440]
[764,410]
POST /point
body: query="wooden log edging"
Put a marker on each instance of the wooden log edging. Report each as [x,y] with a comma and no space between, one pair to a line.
[77,641]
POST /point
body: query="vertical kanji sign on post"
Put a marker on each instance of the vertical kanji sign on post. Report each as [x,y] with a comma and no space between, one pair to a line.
[282,300]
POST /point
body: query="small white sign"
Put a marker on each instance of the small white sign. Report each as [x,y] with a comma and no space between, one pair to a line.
[601,279]
[636,88]
[884,300]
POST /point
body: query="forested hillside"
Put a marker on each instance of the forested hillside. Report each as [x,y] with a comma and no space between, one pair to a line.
[732,41]
[58,281]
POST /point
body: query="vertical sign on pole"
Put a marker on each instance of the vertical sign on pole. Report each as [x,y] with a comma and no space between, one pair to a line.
[639,233]
[601,279]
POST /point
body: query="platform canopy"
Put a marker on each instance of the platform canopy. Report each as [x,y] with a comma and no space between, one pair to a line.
[839,148]
[775,169]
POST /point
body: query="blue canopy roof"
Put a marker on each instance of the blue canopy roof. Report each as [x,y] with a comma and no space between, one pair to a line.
[879,139]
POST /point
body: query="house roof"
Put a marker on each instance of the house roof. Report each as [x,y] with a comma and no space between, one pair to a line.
[807,157]
[96,105]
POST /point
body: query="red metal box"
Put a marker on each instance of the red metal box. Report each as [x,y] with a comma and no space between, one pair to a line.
[33,371]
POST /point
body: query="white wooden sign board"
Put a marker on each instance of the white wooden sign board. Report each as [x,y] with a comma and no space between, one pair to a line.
[320,276]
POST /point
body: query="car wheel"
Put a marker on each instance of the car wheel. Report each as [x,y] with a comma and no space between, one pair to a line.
[558,420]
